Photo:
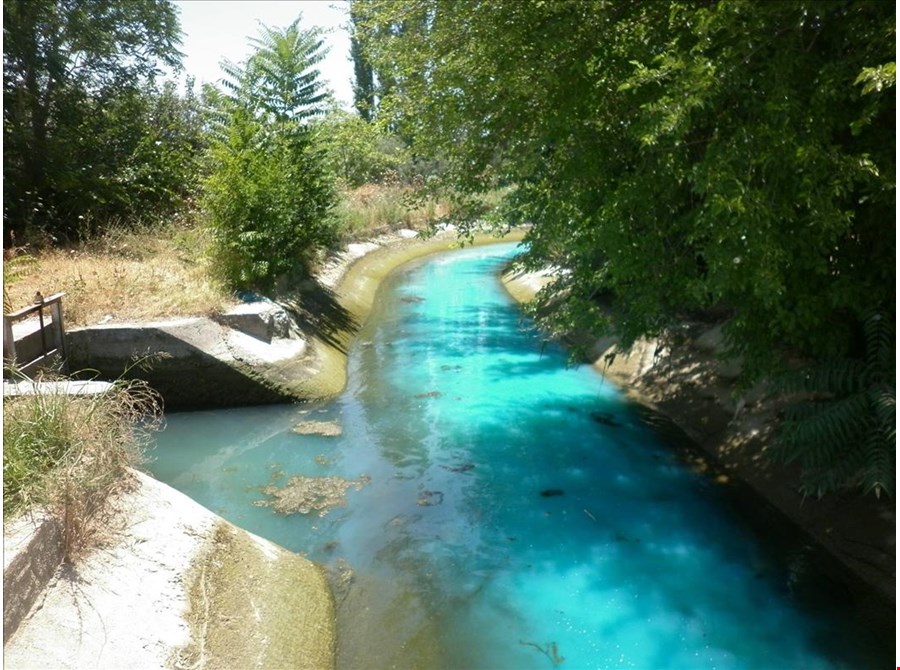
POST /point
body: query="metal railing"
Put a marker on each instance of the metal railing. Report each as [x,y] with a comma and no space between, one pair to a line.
[52,335]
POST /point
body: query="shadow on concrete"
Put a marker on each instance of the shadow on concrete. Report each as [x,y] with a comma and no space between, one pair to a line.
[318,312]
[185,376]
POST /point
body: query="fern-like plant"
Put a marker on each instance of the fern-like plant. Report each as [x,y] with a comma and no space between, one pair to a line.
[268,194]
[841,425]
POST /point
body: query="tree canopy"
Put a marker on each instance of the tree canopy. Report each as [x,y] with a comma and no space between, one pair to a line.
[268,193]
[732,158]
[81,115]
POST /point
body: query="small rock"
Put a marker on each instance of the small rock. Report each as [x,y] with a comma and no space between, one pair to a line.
[325,428]
[429,498]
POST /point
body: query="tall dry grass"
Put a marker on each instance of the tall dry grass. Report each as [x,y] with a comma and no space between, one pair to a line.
[378,208]
[67,453]
[125,275]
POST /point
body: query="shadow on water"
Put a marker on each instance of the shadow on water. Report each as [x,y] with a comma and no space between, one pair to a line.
[809,575]
[316,310]
[514,519]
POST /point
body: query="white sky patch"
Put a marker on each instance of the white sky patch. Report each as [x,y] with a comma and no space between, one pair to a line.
[215,30]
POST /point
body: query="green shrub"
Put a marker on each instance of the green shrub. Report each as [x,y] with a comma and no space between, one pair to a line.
[269,205]
[269,195]
[841,426]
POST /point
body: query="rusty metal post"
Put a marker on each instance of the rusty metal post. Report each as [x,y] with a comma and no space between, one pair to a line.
[9,342]
[57,314]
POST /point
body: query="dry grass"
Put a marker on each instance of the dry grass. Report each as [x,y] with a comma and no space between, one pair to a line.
[124,276]
[163,271]
[68,453]
[379,208]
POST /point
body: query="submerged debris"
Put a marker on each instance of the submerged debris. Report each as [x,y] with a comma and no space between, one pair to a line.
[549,650]
[430,394]
[304,494]
[429,498]
[549,493]
[326,428]
[412,298]
[606,419]
[465,467]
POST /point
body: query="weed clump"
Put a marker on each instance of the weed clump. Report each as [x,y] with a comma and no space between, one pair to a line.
[68,453]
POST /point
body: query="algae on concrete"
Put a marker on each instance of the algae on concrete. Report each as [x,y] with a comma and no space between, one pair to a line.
[256,605]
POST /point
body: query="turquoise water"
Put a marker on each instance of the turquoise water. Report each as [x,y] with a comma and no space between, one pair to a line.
[518,513]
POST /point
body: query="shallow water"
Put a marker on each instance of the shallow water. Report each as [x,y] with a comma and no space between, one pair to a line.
[519,513]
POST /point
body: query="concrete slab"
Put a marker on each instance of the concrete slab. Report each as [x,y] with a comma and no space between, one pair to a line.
[259,319]
[170,584]
[69,387]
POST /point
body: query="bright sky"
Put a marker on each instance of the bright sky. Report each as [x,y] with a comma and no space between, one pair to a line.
[215,30]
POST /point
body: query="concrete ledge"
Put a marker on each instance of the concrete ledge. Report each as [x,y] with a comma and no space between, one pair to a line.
[33,548]
[171,585]
[194,363]
[69,387]
[262,320]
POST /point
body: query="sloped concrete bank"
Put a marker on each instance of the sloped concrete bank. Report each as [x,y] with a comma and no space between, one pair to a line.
[262,352]
[690,394]
[170,584]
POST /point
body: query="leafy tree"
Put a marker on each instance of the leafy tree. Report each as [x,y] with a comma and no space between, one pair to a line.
[269,195]
[364,73]
[76,73]
[280,82]
[843,427]
[358,151]
[372,27]
[732,158]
